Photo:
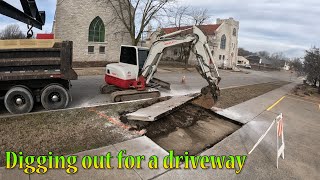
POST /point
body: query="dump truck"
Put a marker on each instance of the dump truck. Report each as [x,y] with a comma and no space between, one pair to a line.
[34,70]
[38,72]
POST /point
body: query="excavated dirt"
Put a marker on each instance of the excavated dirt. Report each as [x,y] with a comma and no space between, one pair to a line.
[194,128]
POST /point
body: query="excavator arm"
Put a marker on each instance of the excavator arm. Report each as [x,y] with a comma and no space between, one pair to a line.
[199,46]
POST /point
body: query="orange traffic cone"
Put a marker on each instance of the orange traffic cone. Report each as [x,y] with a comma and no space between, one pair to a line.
[183,81]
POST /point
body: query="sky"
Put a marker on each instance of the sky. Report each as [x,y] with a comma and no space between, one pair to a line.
[288,26]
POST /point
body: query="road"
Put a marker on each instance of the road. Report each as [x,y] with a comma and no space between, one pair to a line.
[85,91]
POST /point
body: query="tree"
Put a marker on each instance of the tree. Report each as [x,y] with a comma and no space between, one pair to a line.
[297,65]
[243,52]
[278,59]
[12,32]
[312,66]
[135,15]
[264,54]
[199,16]
[180,16]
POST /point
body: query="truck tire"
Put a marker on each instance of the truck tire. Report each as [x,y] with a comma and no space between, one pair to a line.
[18,100]
[54,97]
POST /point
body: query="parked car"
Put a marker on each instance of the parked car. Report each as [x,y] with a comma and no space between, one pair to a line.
[248,66]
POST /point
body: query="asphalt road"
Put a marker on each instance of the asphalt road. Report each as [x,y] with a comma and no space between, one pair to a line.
[85,91]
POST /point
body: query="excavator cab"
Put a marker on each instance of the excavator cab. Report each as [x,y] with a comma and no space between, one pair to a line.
[126,73]
[134,55]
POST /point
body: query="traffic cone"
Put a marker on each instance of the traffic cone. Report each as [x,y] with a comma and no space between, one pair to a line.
[183,81]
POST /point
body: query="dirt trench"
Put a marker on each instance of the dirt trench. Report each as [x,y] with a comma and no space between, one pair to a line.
[194,128]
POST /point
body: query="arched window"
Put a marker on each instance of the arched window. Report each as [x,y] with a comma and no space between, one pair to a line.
[97,30]
[234,32]
[223,42]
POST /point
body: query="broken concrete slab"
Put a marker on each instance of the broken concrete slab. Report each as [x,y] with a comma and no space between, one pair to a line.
[158,110]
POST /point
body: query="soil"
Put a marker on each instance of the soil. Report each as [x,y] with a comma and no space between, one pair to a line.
[75,130]
[191,129]
[234,96]
[194,128]
[67,131]
[307,92]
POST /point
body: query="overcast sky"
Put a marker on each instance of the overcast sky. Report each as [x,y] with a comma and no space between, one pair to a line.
[288,26]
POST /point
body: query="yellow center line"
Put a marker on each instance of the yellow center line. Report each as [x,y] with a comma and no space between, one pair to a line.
[276,103]
[302,100]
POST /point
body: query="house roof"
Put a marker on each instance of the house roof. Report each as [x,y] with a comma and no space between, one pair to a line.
[209,29]
[256,59]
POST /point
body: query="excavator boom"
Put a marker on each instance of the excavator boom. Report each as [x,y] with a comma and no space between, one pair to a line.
[199,46]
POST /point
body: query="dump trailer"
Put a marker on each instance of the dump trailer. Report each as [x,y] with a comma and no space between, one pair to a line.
[35,71]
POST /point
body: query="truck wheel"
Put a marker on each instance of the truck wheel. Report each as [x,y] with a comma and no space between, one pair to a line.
[55,97]
[18,100]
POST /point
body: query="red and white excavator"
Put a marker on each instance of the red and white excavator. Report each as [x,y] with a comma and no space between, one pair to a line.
[131,78]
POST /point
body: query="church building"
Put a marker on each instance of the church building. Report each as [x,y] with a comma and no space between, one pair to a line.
[92,26]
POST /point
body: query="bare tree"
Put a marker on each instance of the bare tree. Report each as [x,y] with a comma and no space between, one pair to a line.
[185,16]
[199,16]
[178,16]
[12,32]
[135,15]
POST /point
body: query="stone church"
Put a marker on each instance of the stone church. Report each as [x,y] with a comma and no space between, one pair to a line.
[222,39]
[96,34]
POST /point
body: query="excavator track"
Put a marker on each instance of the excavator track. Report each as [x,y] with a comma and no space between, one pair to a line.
[130,95]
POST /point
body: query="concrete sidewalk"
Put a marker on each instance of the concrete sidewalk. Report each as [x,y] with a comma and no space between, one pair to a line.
[139,146]
[301,132]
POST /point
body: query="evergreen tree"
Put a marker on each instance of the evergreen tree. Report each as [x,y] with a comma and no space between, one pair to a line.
[312,66]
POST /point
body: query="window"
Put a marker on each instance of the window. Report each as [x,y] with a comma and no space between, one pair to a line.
[91,49]
[142,55]
[220,57]
[102,49]
[223,57]
[223,42]
[234,32]
[128,55]
[96,30]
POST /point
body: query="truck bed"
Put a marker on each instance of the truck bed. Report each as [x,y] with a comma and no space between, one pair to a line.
[42,59]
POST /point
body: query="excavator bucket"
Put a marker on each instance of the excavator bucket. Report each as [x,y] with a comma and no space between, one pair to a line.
[208,98]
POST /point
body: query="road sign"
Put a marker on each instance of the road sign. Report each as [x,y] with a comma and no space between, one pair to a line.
[280,151]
